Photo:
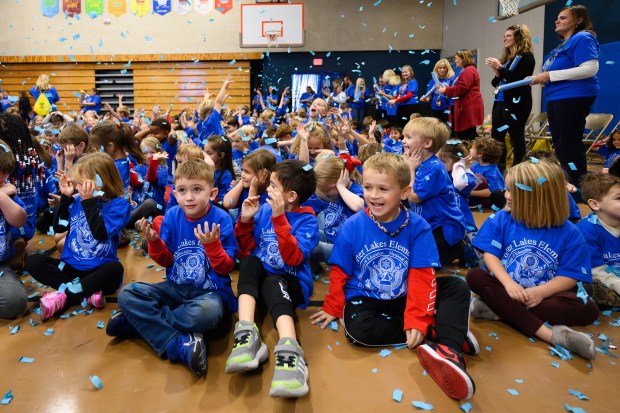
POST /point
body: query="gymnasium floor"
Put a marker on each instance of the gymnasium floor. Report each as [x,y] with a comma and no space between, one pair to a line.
[342,377]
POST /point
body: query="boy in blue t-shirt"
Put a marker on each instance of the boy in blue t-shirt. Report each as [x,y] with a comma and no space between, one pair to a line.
[486,152]
[210,114]
[433,195]
[383,286]
[601,230]
[276,240]
[172,315]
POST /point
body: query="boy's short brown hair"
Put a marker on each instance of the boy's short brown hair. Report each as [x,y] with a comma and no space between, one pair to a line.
[7,159]
[390,164]
[490,149]
[431,128]
[195,169]
[260,159]
[596,185]
[73,134]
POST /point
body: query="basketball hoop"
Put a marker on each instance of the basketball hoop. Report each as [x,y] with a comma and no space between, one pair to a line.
[509,7]
[273,38]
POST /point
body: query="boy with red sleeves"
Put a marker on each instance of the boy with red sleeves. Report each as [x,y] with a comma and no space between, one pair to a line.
[276,239]
[383,286]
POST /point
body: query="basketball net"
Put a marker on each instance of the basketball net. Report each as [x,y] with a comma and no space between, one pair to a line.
[273,38]
[509,7]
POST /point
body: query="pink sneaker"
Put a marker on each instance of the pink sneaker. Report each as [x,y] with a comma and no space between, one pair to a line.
[51,303]
[97,300]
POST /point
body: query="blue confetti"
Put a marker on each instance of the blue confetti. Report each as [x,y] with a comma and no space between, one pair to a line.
[533,160]
[578,394]
[100,324]
[492,19]
[502,128]
[513,392]
[14,330]
[422,406]
[541,180]
[519,381]
[385,352]
[523,187]
[572,166]
[571,409]
[148,38]
[232,62]
[488,348]
[397,395]
[49,332]
[536,39]
[96,381]
[496,244]
[466,407]
[30,360]
[610,62]
[374,371]
[425,62]
[8,397]
[333,325]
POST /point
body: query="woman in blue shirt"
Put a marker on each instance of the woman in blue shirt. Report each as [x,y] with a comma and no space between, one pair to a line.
[43,86]
[571,87]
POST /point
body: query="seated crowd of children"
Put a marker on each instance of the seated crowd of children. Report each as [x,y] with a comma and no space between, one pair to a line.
[280,195]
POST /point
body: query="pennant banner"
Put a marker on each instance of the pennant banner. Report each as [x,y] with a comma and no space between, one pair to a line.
[162,7]
[203,6]
[71,7]
[223,6]
[117,7]
[50,8]
[140,7]
[181,6]
[93,8]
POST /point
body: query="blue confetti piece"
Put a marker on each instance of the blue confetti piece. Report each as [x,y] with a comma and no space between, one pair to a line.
[513,392]
[14,330]
[425,62]
[374,371]
[8,397]
[333,325]
[488,348]
[534,160]
[602,336]
[29,360]
[466,407]
[569,2]
[496,244]
[84,303]
[63,222]
[100,324]
[123,71]
[422,406]
[385,352]
[571,409]
[520,381]
[148,38]
[572,166]
[356,302]
[555,364]
[49,332]
[541,180]
[502,128]
[397,395]
[76,36]
[98,180]
[492,19]
[516,100]
[61,265]
[329,347]
[610,62]
[578,394]
[536,39]
[307,167]
[606,313]
[377,3]
[96,381]
[232,62]
[495,208]
[523,187]
[399,346]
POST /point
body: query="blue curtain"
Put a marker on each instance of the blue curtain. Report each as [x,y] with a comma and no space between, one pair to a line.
[317,81]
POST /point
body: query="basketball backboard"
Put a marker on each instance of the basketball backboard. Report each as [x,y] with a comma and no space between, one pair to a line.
[260,21]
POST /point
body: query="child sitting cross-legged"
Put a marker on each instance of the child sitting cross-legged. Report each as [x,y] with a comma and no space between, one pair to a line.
[173,315]
[383,285]
[276,239]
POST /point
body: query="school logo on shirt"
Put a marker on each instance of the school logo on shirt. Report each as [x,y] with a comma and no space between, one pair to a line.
[269,252]
[334,218]
[191,267]
[4,239]
[383,265]
[83,243]
[530,262]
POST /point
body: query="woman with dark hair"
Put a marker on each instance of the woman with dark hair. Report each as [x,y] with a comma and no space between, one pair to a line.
[512,107]
[468,108]
[571,87]
[25,108]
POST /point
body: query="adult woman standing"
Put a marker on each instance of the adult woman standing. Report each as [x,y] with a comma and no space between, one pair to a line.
[388,92]
[468,108]
[440,104]
[406,97]
[43,86]
[571,87]
[512,107]
[358,96]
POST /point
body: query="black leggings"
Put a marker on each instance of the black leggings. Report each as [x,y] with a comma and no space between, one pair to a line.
[280,293]
[147,209]
[516,127]
[107,277]
[374,322]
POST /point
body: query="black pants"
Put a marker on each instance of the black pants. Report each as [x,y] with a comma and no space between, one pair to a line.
[501,117]
[107,277]
[567,121]
[374,322]
[147,209]
[447,252]
[403,112]
[280,293]
[45,219]
[467,134]
[441,115]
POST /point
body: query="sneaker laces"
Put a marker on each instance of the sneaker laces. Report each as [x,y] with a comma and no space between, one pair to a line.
[242,337]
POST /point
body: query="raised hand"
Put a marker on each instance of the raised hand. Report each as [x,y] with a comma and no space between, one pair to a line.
[66,187]
[147,228]
[303,133]
[86,189]
[207,236]
[160,155]
[276,200]
[249,208]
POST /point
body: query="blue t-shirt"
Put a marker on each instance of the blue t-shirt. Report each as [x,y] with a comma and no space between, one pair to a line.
[93,99]
[82,251]
[610,154]
[411,86]
[377,263]
[439,101]
[6,239]
[123,169]
[334,213]
[575,212]
[6,103]
[463,202]
[222,180]
[358,100]
[579,48]
[210,126]
[29,201]
[191,265]
[603,246]
[434,187]
[393,146]
[51,94]
[156,190]
[533,256]
[305,229]
[305,96]
[495,179]
[238,157]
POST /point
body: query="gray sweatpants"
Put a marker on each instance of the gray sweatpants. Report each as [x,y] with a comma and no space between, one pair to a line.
[13,297]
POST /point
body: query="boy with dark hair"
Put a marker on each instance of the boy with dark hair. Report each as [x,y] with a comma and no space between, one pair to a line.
[276,239]
[601,229]
[173,315]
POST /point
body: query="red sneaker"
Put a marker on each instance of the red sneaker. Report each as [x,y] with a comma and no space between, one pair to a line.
[470,345]
[447,368]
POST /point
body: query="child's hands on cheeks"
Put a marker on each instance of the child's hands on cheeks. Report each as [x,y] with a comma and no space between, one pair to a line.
[86,189]
[147,228]
[276,200]
[249,208]
[207,237]
[414,160]
[414,338]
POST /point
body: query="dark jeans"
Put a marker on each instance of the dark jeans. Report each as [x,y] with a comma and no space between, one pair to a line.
[280,293]
[562,308]
[501,117]
[567,121]
[359,114]
[160,312]
[374,322]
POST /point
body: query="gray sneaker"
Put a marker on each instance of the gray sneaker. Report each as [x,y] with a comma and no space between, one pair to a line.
[576,341]
[479,309]
[248,350]
[290,378]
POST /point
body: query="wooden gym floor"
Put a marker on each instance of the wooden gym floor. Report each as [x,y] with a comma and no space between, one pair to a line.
[343,378]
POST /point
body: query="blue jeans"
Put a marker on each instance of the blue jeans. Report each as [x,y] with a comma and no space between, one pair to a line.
[359,114]
[162,311]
